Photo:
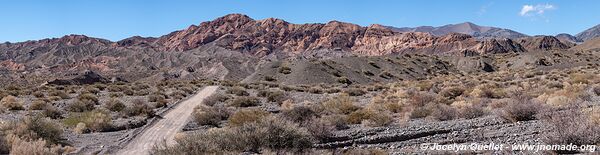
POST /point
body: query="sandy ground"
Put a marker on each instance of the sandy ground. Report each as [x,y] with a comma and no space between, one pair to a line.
[165,129]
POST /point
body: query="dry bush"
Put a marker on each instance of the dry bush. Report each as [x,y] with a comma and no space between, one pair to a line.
[155,97]
[115,94]
[596,90]
[91,90]
[138,107]
[88,96]
[315,90]
[442,112]
[452,92]
[215,98]
[245,116]
[344,80]
[116,88]
[11,103]
[38,105]
[522,110]
[36,127]
[341,104]
[59,93]
[100,86]
[355,92]
[581,78]
[245,101]
[239,91]
[472,111]
[38,94]
[268,134]
[52,112]
[572,127]
[276,96]
[205,115]
[82,105]
[128,91]
[187,89]
[114,105]
[178,94]
[32,147]
[320,129]
[370,117]
[299,114]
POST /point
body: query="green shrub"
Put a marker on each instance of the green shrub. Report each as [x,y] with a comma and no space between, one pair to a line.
[96,121]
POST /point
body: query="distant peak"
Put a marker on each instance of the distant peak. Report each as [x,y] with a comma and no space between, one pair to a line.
[236,16]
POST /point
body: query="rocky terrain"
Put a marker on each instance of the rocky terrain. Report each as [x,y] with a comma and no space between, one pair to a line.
[321,88]
[481,32]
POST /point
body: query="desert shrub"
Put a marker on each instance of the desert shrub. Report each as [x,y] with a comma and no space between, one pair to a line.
[299,114]
[444,112]
[38,94]
[35,127]
[333,90]
[32,146]
[114,105]
[92,90]
[52,112]
[11,103]
[88,96]
[268,133]
[115,94]
[522,110]
[60,94]
[187,90]
[161,103]
[420,112]
[205,115]
[95,121]
[452,92]
[38,105]
[245,101]
[116,88]
[155,97]
[571,127]
[138,107]
[239,91]
[471,112]
[315,90]
[581,78]
[81,128]
[244,116]
[215,98]
[596,90]
[285,70]
[100,86]
[178,94]
[337,120]
[370,117]
[128,91]
[320,129]
[81,106]
[344,80]
[421,99]
[368,73]
[275,96]
[355,92]
[341,104]
[142,92]
[269,78]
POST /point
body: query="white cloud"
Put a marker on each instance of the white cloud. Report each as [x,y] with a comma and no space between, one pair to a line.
[539,9]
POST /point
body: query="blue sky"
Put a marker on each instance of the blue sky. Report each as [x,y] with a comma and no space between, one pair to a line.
[118,19]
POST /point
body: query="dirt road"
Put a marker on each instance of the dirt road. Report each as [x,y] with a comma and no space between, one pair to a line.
[167,127]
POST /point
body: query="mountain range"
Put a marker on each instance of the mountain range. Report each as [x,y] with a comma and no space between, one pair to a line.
[232,46]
